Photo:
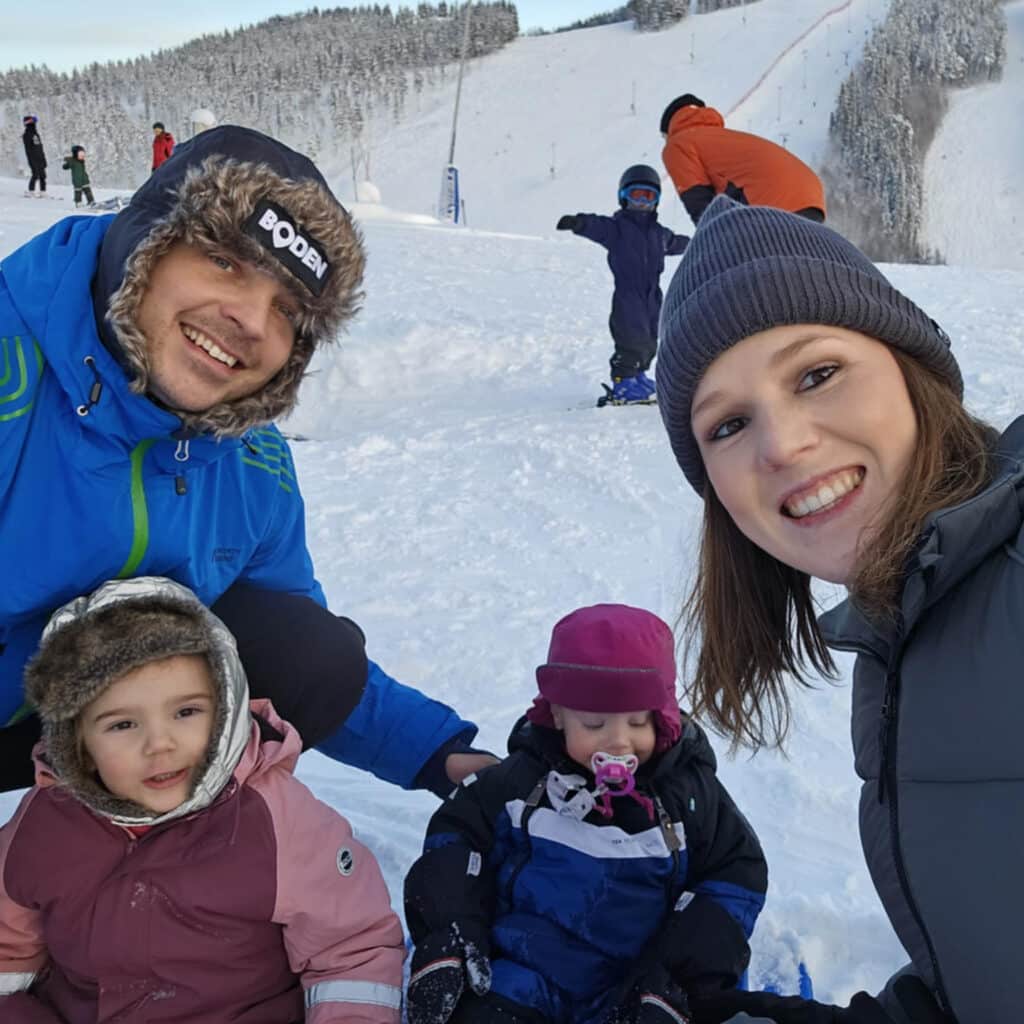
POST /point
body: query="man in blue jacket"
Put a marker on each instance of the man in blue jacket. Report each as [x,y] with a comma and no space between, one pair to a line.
[144,360]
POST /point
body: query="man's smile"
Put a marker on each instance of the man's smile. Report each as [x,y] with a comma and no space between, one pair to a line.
[208,345]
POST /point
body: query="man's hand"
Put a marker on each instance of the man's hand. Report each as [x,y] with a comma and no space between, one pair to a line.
[568,222]
[719,1007]
[918,1004]
[459,766]
[442,966]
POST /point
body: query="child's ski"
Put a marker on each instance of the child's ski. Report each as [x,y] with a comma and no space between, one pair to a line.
[608,399]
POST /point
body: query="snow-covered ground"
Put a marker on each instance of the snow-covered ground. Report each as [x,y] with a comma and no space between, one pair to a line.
[463,494]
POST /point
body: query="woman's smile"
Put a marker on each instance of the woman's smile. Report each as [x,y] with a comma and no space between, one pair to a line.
[806,433]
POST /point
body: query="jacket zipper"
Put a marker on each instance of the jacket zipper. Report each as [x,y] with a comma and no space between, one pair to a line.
[888,737]
[673,844]
[532,802]
[140,514]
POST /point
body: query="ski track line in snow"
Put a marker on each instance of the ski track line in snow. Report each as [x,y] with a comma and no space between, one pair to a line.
[785,53]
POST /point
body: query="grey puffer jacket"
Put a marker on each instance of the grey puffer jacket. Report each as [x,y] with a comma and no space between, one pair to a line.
[938,709]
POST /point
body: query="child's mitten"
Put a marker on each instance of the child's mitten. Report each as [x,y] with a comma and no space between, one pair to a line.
[444,963]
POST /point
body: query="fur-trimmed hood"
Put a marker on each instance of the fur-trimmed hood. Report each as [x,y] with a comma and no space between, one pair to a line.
[234,189]
[94,640]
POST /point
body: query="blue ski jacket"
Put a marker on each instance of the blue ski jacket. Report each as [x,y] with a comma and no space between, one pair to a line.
[575,903]
[637,246]
[97,482]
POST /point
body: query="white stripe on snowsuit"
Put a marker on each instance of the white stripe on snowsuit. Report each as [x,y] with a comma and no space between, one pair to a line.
[363,992]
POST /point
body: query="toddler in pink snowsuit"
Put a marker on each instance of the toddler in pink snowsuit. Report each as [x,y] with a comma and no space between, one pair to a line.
[168,866]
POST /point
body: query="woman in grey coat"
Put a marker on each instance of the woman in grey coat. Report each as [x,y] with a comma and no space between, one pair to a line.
[819,413]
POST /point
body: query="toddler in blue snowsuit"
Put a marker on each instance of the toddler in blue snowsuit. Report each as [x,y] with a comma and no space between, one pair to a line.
[637,246]
[601,872]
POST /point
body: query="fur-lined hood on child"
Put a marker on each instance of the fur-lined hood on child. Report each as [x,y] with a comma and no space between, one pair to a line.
[250,859]
[94,640]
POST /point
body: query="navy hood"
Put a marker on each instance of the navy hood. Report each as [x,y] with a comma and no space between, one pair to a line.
[236,189]
[158,197]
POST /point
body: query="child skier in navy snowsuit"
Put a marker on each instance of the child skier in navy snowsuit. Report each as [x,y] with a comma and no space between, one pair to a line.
[601,872]
[637,246]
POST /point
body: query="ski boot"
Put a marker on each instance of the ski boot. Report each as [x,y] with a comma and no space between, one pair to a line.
[636,390]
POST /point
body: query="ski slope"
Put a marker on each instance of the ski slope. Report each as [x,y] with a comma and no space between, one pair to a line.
[462,493]
[974,205]
[566,102]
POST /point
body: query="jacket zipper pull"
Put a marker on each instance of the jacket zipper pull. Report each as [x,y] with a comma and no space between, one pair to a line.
[671,839]
[888,707]
[181,455]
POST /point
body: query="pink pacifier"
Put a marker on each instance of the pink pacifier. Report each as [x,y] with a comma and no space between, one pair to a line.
[614,775]
[615,770]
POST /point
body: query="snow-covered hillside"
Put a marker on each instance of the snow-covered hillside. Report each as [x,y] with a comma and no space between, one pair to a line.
[564,101]
[974,196]
[462,492]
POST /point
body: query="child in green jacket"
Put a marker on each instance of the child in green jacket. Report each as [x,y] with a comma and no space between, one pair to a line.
[79,175]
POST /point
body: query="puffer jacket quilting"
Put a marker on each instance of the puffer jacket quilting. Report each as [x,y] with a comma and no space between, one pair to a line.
[937,708]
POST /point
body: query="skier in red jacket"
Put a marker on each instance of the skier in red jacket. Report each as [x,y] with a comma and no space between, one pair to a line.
[163,144]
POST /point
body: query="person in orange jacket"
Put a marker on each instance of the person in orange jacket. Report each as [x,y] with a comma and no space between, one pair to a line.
[705,159]
[163,144]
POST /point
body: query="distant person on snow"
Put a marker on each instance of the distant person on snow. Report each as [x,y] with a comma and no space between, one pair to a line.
[79,175]
[706,159]
[154,351]
[34,154]
[166,816]
[600,873]
[637,245]
[163,144]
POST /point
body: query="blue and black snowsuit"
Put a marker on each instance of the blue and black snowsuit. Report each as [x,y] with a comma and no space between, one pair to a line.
[637,246]
[574,904]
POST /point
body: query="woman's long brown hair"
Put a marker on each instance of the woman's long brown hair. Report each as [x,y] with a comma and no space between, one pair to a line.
[752,618]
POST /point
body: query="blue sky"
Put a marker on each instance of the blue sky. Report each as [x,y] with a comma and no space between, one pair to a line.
[66,33]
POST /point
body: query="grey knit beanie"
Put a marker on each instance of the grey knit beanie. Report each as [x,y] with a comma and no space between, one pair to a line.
[750,268]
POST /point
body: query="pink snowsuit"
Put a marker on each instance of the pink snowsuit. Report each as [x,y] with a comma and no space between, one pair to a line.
[258,908]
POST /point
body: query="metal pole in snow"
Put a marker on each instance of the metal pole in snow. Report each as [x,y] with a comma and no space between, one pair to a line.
[458,86]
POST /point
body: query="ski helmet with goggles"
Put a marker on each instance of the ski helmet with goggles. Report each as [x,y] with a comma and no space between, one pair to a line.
[640,187]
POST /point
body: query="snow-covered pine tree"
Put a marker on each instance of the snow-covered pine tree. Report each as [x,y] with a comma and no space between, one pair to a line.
[303,77]
[889,109]
[651,15]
